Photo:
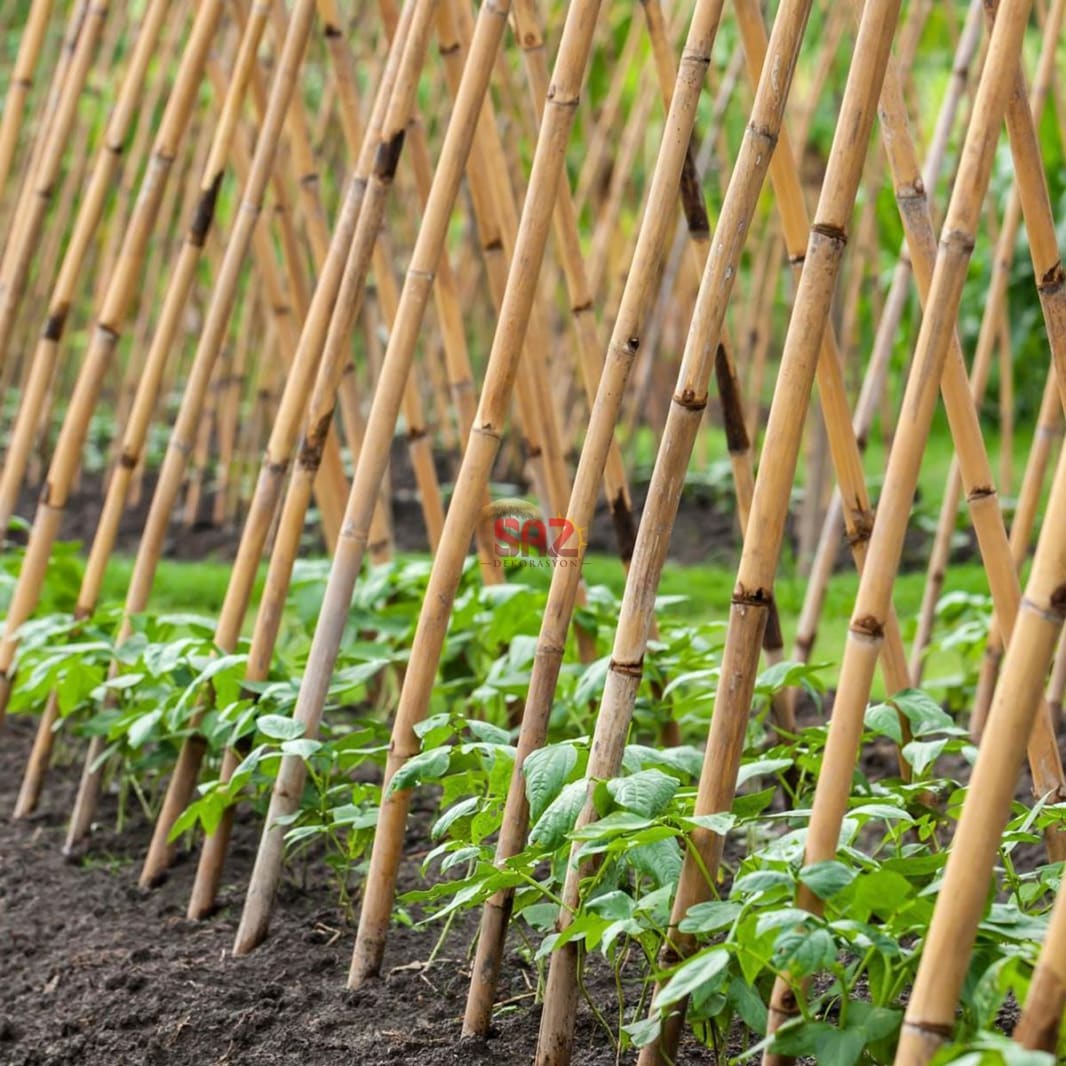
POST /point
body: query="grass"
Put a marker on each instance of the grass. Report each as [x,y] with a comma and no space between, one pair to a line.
[201,587]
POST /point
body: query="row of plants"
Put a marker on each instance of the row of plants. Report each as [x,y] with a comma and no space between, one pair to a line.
[852,965]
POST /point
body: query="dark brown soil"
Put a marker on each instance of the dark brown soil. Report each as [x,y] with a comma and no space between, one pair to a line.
[93,971]
[705,530]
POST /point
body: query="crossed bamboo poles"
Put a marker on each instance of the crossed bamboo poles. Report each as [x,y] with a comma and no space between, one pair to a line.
[994,545]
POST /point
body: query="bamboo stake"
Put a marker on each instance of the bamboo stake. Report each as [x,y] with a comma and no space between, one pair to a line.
[253,175]
[348,558]
[76,15]
[798,367]
[887,331]
[20,84]
[282,90]
[148,388]
[518,299]
[934,341]
[930,1015]
[340,293]
[104,340]
[1048,428]
[1038,1028]
[90,211]
[37,194]
[992,314]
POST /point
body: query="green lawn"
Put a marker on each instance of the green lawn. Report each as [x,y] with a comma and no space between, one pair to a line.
[201,586]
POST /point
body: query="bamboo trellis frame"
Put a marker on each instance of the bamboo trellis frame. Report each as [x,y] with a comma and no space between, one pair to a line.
[310,285]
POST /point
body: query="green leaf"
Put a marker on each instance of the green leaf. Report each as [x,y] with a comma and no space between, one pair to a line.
[921,754]
[761,767]
[838,1047]
[426,766]
[826,879]
[659,860]
[301,747]
[590,685]
[747,1003]
[801,951]
[644,1032]
[710,917]
[615,905]
[142,727]
[452,815]
[647,792]
[558,819]
[546,771]
[278,727]
[700,971]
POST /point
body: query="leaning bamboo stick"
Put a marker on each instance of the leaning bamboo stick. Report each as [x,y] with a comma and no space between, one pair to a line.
[669,170]
[1048,428]
[38,191]
[930,1016]
[339,293]
[244,234]
[20,85]
[518,300]
[885,338]
[799,363]
[90,211]
[104,340]
[459,140]
[1038,1028]
[1043,751]
[135,431]
[994,309]
[935,338]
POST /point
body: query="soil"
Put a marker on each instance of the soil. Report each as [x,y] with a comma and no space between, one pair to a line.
[94,971]
[705,530]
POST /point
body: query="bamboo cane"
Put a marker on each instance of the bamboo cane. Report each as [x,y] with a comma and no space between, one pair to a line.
[1038,1028]
[89,214]
[798,366]
[104,340]
[982,364]
[1048,429]
[930,1015]
[458,142]
[887,330]
[254,175]
[481,452]
[76,16]
[37,195]
[20,84]
[346,301]
[1029,197]
[282,89]
[604,130]
[935,339]
[148,388]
